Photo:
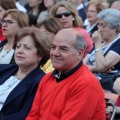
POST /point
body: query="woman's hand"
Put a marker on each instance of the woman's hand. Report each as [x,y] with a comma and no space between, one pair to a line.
[96,37]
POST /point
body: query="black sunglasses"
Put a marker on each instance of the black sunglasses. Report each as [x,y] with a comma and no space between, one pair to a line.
[66,14]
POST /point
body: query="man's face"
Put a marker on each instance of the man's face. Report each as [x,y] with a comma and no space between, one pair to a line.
[63,55]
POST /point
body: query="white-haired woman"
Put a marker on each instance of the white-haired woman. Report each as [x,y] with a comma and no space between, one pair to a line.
[105,55]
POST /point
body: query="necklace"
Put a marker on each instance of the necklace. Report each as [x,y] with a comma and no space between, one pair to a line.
[3,52]
[21,75]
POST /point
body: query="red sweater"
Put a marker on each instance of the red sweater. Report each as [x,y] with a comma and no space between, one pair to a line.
[118,102]
[78,97]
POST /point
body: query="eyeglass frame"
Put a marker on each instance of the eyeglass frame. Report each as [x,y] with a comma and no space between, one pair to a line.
[66,14]
[8,22]
[101,26]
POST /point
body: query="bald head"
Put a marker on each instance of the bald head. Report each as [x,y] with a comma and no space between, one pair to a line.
[116,5]
[67,49]
[71,34]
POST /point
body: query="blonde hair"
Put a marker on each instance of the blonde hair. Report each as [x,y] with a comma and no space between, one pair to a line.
[19,16]
[77,22]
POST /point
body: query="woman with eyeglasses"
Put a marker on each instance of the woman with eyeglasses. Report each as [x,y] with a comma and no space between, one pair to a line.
[93,8]
[104,59]
[4,6]
[66,13]
[13,20]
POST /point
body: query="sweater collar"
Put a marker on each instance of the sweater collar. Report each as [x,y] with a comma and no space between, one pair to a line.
[62,76]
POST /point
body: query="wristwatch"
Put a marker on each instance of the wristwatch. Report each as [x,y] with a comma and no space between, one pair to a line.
[96,50]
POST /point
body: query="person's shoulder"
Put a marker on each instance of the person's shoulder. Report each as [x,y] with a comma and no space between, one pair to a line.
[2,43]
[82,31]
[48,67]
[47,78]
[44,12]
[20,7]
[43,15]
[8,65]
[49,75]
[116,42]
[5,67]
[85,76]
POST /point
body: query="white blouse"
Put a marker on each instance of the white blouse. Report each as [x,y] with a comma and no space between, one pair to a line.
[6,88]
[6,56]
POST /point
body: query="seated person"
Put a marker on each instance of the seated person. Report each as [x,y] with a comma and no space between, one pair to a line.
[67,92]
[4,6]
[67,15]
[50,27]
[115,97]
[93,8]
[19,82]
[13,20]
[105,54]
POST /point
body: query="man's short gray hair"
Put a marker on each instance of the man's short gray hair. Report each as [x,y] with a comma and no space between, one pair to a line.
[80,42]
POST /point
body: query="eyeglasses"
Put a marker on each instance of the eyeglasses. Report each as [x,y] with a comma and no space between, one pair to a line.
[101,26]
[8,22]
[66,14]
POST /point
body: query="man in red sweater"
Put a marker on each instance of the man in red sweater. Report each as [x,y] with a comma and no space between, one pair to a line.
[71,91]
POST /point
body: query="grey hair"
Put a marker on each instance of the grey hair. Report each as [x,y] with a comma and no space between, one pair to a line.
[80,42]
[111,17]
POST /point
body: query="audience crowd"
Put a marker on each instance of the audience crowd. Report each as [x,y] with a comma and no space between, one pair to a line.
[59,59]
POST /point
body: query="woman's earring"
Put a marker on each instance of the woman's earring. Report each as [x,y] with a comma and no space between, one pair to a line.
[73,19]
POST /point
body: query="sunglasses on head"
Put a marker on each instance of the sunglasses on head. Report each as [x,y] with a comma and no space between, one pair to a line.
[66,14]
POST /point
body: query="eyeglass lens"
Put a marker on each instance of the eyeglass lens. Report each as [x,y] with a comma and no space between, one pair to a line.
[8,22]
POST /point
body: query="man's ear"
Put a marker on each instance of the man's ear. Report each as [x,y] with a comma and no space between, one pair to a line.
[81,53]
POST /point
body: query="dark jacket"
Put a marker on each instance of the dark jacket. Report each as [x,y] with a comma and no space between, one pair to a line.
[82,14]
[1,47]
[95,28]
[19,101]
[2,43]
